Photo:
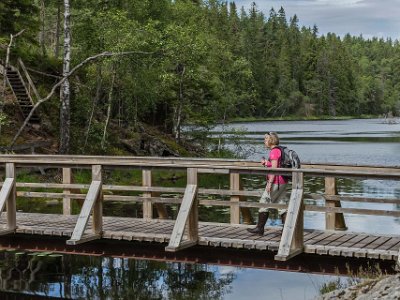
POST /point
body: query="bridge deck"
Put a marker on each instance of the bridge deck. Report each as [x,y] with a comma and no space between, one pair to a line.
[217,235]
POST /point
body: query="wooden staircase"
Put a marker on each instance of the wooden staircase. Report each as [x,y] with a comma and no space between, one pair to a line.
[21,92]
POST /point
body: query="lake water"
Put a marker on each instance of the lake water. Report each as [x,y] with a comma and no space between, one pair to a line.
[361,142]
[356,142]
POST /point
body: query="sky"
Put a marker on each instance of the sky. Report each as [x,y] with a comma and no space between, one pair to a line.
[371,18]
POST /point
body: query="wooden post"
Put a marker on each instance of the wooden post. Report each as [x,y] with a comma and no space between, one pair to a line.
[98,205]
[67,178]
[187,219]
[292,240]
[193,222]
[147,205]
[333,221]
[298,241]
[235,186]
[12,199]
[93,202]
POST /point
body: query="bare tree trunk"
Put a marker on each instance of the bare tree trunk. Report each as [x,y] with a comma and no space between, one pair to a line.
[95,101]
[42,30]
[57,46]
[65,109]
[110,95]
[178,109]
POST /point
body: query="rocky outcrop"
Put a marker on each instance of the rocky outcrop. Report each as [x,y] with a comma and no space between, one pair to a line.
[148,145]
[386,288]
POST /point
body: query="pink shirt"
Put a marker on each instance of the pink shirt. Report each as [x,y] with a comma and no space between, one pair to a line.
[275,154]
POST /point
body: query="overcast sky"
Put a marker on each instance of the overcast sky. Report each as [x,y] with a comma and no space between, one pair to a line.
[370,18]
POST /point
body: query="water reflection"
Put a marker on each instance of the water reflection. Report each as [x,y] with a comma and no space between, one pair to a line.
[85,277]
[78,277]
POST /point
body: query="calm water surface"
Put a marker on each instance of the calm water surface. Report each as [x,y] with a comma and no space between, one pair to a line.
[361,142]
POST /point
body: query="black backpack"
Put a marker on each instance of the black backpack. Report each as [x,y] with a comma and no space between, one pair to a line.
[289,159]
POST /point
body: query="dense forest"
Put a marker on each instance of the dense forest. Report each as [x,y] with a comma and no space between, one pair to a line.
[180,62]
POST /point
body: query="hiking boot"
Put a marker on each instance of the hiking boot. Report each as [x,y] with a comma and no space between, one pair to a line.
[262,220]
[283,218]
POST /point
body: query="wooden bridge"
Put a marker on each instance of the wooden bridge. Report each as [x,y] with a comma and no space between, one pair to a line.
[186,230]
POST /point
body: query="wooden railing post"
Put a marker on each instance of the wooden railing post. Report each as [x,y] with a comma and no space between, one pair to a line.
[193,222]
[12,199]
[292,240]
[67,201]
[235,186]
[147,205]
[93,202]
[188,217]
[333,221]
[98,205]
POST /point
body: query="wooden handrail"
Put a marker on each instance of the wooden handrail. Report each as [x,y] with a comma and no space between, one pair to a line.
[30,81]
[291,242]
[82,160]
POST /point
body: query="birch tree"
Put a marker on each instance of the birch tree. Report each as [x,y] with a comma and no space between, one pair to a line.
[65,94]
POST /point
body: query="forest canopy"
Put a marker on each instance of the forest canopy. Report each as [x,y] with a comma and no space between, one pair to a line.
[200,62]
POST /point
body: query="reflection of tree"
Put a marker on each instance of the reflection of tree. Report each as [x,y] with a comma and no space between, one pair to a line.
[140,279]
[22,271]
[73,276]
[185,281]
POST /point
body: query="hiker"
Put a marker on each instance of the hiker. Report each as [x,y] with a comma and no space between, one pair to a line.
[276,184]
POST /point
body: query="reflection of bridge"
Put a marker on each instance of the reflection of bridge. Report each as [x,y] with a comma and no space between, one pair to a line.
[186,230]
[243,258]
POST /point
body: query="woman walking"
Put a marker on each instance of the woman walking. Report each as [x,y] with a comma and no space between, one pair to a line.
[276,184]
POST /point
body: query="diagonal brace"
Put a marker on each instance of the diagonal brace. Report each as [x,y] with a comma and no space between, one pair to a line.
[188,202]
[91,198]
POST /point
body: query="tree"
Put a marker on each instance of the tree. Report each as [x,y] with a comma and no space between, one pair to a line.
[65,95]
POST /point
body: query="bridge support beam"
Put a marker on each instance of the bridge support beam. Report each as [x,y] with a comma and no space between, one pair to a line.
[187,217]
[292,235]
[8,198]
[93,202]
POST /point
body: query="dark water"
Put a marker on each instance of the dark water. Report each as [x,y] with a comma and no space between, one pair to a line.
[370,142]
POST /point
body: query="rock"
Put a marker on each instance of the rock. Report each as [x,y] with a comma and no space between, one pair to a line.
[148,145]
[386,288]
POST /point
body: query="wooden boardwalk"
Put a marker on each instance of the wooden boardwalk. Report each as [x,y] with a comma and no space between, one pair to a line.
[216,235]
[185,230]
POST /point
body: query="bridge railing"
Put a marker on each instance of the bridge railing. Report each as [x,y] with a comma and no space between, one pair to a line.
[187,219]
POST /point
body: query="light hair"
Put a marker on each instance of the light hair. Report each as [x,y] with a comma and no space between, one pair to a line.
[273,139]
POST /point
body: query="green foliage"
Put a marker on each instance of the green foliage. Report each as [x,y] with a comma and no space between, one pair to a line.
[201,62]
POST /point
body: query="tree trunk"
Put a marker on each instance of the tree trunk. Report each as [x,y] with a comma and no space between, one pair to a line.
[42,29]
[179,108]
[57,46]
[65,109]
[95,101]
[110,95]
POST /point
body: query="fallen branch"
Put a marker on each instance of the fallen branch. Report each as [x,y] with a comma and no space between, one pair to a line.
[87,60]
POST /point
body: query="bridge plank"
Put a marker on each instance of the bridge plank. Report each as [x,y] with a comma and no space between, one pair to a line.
[134,229]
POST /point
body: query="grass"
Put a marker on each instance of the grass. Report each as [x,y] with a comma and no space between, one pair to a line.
[360,276]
